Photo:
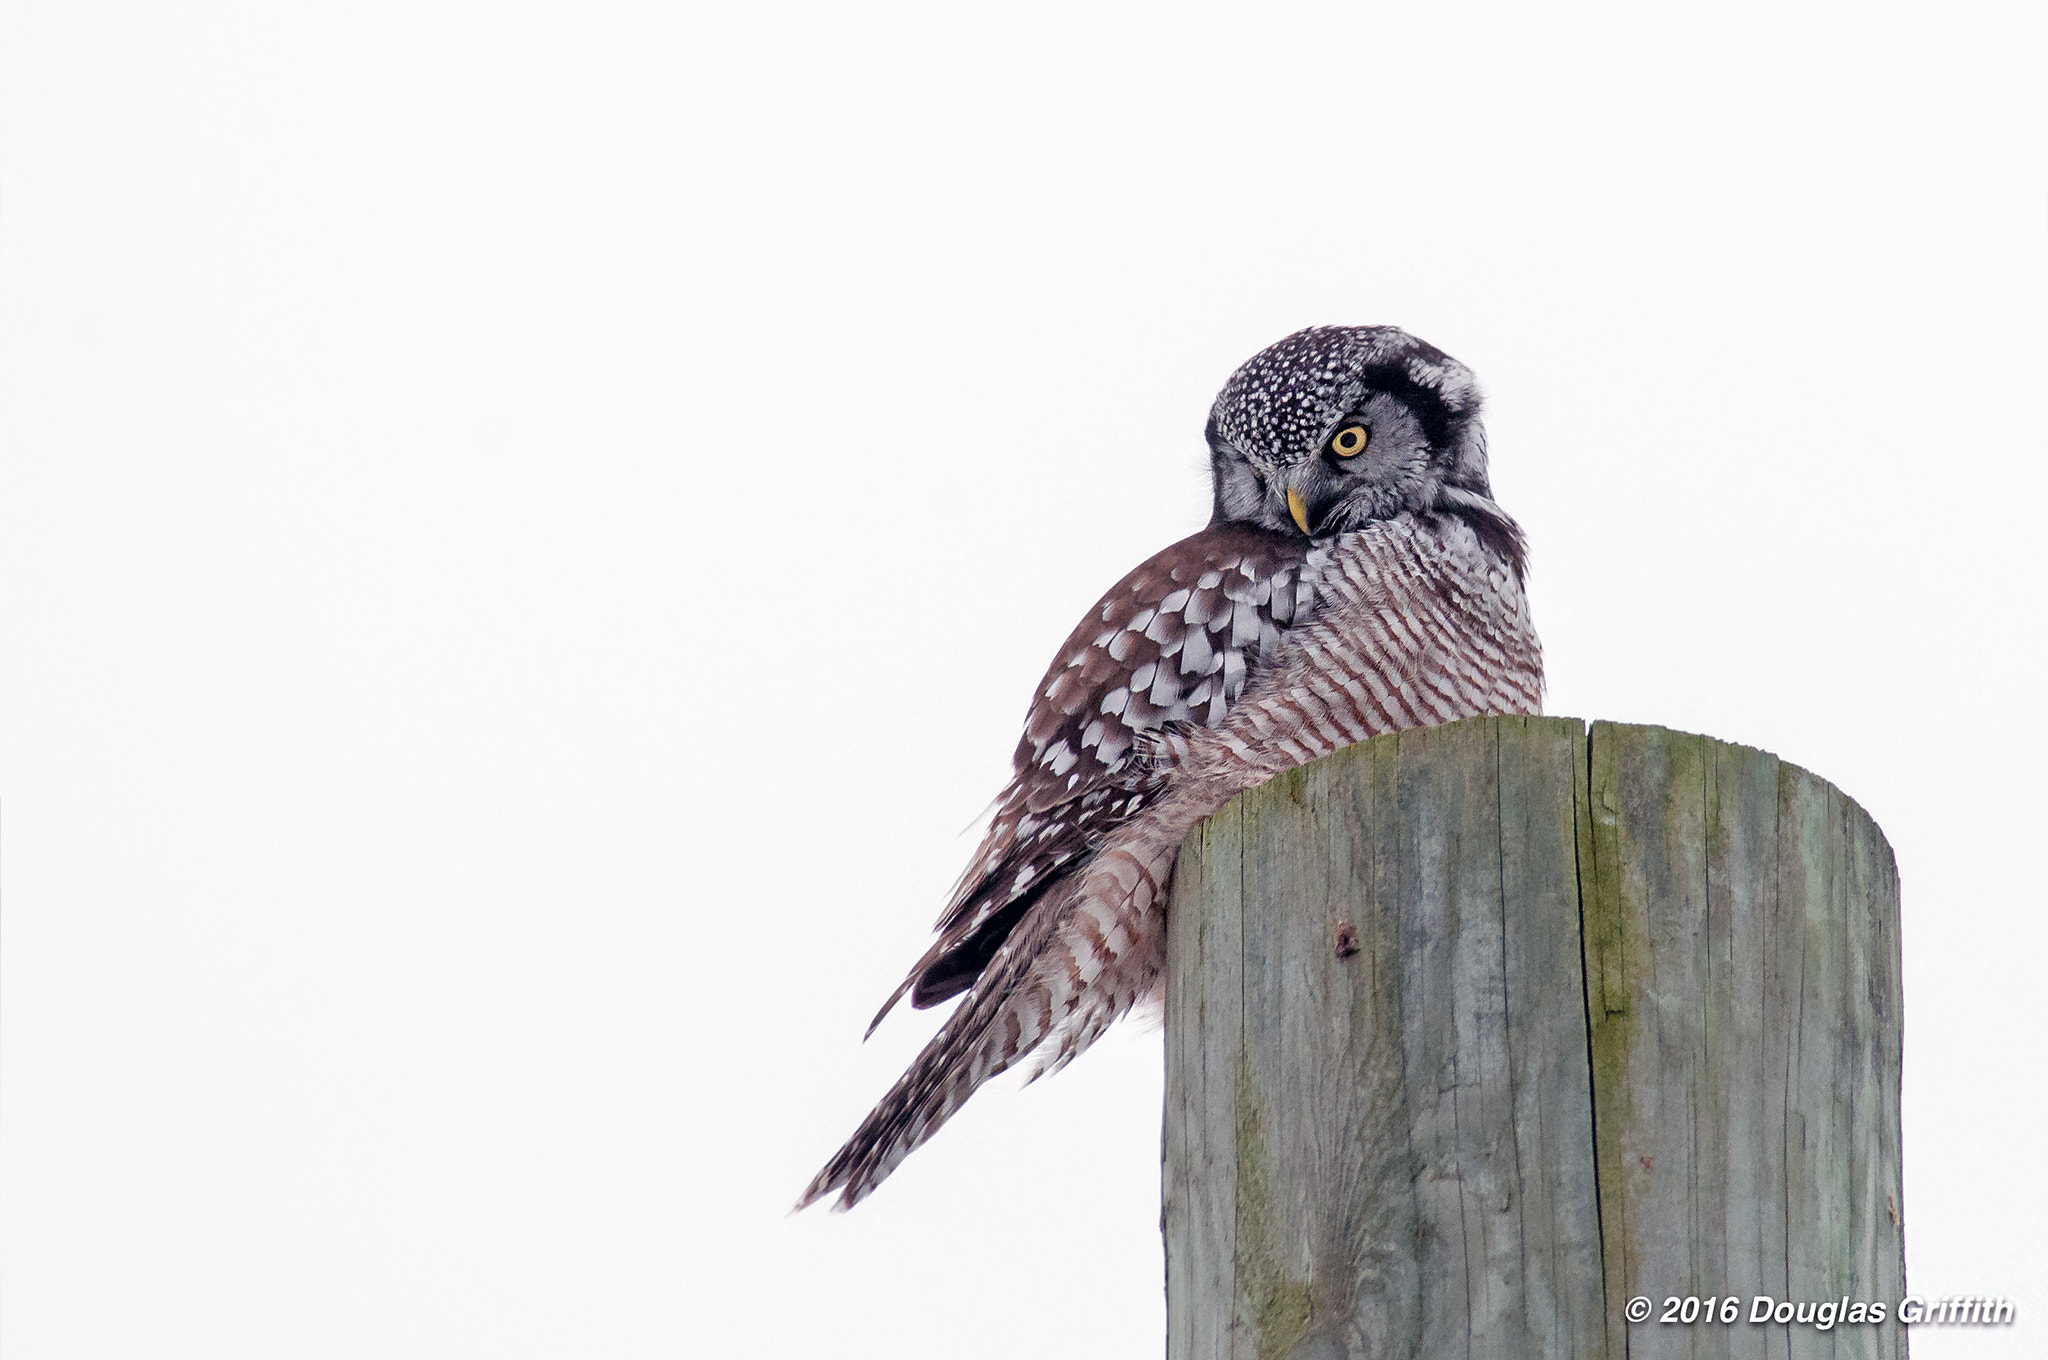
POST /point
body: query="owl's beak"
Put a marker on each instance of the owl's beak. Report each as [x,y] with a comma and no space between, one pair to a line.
[1298,508]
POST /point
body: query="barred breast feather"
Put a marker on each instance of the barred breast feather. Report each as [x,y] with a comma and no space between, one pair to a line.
[1233,655]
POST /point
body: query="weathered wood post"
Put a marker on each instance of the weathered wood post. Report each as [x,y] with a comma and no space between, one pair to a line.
[1475,1033]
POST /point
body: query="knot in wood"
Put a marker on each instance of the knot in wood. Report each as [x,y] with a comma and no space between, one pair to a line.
[1347,940]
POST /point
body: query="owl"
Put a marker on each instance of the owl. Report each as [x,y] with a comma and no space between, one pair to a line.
[1356,578]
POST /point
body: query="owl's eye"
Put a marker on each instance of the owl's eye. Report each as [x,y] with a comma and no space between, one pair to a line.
[1349,442]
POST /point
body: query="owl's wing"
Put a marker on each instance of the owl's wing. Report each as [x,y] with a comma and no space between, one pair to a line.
[1170,645]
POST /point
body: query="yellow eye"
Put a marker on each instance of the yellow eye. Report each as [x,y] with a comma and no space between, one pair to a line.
[1350,441]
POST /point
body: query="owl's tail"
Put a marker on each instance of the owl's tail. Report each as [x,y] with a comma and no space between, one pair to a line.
[1084,954]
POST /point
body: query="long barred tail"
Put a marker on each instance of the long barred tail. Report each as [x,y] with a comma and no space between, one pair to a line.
[1082,956]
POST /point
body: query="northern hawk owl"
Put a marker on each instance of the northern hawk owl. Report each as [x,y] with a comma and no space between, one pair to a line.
[1356,578]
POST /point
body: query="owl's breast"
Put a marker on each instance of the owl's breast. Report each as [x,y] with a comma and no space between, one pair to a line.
[1416,623]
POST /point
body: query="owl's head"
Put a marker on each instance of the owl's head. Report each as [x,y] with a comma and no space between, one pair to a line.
[1337,426]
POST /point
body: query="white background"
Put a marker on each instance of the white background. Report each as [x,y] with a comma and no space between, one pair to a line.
[529,529]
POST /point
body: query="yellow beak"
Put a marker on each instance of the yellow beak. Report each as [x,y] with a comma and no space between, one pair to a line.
[1297,508]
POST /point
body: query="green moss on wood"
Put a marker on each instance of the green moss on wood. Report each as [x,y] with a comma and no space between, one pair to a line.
[1280,1307]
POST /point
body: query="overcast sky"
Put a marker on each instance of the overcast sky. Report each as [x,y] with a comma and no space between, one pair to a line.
[527,531]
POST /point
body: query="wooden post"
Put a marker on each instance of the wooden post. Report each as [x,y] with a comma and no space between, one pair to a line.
[1475,1033]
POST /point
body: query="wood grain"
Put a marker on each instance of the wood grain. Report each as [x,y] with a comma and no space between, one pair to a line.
[1477,1031]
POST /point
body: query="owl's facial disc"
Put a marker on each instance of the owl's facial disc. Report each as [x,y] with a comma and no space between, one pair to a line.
[1370,462]
[1320,489]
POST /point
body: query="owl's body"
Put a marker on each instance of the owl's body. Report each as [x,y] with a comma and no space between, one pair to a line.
[1357,579]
